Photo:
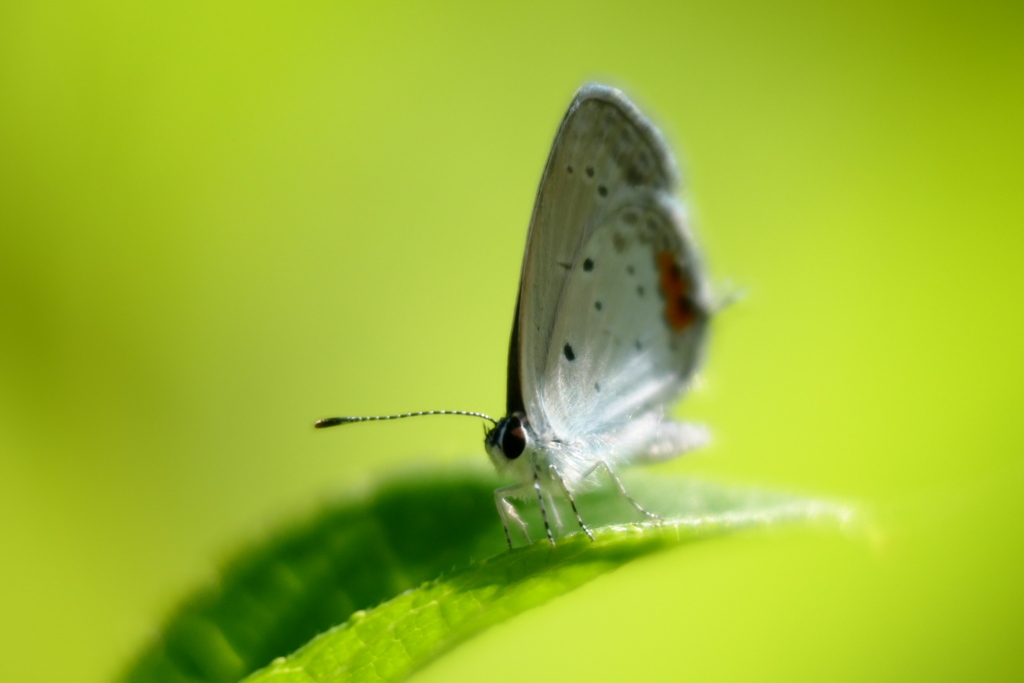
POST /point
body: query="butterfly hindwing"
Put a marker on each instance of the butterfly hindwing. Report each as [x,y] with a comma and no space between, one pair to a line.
[631,330]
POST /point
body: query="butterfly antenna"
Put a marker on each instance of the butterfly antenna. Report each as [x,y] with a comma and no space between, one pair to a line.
[335,421]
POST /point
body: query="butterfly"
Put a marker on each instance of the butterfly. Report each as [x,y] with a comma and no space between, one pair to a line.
[612,318]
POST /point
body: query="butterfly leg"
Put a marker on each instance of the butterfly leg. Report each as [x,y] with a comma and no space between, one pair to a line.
[543,509]
[556,517]
[572,502]
[621,488]
[507,511]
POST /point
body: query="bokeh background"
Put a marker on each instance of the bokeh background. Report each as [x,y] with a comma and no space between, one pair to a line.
[221,221]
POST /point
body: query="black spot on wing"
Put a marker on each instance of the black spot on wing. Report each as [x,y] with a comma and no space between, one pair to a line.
[602,190]
[588,264]
[570,355]
[590,171]
[640,290]
[598,305]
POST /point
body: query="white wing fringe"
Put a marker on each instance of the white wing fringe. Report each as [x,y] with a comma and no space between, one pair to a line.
[671,439]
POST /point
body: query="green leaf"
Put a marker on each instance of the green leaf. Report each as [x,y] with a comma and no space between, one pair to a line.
[403,571]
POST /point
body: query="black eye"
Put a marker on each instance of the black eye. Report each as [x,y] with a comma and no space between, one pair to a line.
[513,441]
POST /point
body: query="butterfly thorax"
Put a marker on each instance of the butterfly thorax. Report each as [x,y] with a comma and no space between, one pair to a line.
[520,455]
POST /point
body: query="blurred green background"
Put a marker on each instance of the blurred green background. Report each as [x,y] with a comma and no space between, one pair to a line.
[222,221]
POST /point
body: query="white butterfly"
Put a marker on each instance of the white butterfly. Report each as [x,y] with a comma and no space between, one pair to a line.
[612,317]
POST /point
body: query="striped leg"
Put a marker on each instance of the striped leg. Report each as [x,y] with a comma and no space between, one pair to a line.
[572,502]
[621,488]
[507,511]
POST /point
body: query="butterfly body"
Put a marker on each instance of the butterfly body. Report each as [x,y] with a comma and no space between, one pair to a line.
[611,320]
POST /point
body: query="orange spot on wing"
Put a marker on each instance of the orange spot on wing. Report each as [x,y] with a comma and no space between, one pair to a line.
[680,310]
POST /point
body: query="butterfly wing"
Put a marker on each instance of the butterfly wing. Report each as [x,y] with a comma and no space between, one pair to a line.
[631,331]
[603,146]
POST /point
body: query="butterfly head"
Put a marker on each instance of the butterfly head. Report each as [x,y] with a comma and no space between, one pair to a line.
[507,440]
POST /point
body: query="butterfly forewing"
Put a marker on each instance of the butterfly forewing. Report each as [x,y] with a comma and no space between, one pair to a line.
[603,148]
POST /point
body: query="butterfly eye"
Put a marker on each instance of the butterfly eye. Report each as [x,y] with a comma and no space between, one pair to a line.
[513,441]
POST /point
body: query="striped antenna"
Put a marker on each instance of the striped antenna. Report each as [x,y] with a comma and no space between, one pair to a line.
[335,421]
